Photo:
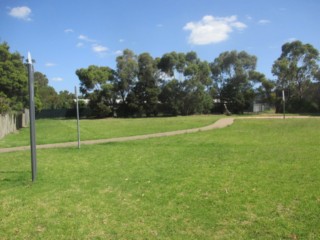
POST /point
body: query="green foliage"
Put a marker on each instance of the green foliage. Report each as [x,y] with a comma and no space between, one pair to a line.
[179,83]
[48,98]
[147,88]
[191,95]
[231,71]
[194,98]
[168,63]
[93,78]
[97,84]
[265,90]
[170,97]
[143,85]
[127,71]
[297,69]
[232,183]
[65,100]
[176,83]
[46,93]
[14,86]
[13,80]
[101,102]
[4,103]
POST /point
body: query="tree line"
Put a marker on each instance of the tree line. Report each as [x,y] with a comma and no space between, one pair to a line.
[183,84]
[14,86]
[175,84]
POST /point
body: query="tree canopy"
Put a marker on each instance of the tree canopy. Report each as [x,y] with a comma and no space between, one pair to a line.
[297,71]
[296,67]
[14,86]
[13,80]
[97,84]
[181,83]
[232,71]
[175,83]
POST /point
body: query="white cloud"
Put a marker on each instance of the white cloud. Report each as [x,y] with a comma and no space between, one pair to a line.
[86,38]
[160,25]
[99,48]
[21,13]
[57,79]
[264,21]
[50,64]
[68,30]
[121,40]
[80,44]
[212,29]
[248,17]
[118,52]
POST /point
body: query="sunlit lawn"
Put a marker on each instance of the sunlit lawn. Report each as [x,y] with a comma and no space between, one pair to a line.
[257,179]
[55,131]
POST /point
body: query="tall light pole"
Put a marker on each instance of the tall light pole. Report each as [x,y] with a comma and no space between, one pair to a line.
[32,119]
[77,106]
[284,104]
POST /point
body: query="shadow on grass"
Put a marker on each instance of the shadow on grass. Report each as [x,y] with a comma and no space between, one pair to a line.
[10,179]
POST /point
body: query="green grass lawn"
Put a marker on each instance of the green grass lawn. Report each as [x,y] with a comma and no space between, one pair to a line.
[55,131]
[257,179]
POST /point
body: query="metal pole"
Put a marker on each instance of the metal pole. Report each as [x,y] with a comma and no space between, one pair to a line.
[78,122]
[32,119]
[284,104]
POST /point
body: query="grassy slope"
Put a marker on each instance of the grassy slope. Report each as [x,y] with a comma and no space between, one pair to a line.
[258,179]
[55,131]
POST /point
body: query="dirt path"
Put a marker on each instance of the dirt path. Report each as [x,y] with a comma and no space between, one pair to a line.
[221,123]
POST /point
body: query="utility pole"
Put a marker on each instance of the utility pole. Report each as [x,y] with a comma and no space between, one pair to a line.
[284,104]
[78,123]
[32,119]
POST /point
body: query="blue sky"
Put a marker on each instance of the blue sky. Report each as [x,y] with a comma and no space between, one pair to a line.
[64,36]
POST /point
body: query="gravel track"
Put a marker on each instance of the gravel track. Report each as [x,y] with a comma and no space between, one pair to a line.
[221,123]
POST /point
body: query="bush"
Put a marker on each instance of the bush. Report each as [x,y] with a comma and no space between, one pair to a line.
[298,106]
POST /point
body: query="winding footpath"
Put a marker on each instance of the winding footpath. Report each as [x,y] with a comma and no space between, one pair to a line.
[221,123]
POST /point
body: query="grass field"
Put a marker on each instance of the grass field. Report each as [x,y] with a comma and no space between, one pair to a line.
[257,179]
[56,131]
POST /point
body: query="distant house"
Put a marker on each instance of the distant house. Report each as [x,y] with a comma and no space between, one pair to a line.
[260,107]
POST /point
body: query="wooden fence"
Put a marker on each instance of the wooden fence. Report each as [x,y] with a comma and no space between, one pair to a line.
[11,122]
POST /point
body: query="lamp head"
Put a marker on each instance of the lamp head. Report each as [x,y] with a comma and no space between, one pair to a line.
[29,58]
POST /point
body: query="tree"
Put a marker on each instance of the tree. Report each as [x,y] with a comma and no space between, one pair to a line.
[265,90]
[13,80]
[168,62]
[231,71]
[127,72]
[65,100]
[125,80]
[147,90]
[96,83]
[94,77]
[194,98]
[192,88]
[4,103]
[47,94]
[172,63]
[296,68]
[171,97]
